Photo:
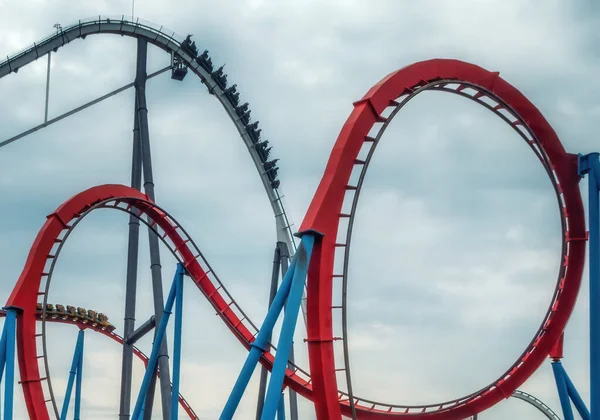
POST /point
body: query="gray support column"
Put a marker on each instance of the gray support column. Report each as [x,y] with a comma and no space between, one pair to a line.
[285,258]
[264,372]
[150,398]
[155,267]
[131,283]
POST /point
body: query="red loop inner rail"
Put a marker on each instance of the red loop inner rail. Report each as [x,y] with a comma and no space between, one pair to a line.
[325,212]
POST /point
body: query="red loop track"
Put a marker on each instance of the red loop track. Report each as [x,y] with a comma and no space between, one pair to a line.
[325,212]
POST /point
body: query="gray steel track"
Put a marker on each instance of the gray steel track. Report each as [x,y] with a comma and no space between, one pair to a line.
[170,42]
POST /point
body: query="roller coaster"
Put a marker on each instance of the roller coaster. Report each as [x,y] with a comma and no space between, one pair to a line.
[303,276]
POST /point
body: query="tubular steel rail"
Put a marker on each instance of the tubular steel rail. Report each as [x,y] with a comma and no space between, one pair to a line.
[537,403]
[327,210]
[215,81]
[467,90]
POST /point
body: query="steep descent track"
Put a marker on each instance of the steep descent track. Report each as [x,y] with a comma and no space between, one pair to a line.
[214,79]
[325,212]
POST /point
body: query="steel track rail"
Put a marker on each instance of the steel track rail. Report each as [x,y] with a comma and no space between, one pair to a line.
[170,42]
[48,275]
[115,337]
[327,210]
[474,93]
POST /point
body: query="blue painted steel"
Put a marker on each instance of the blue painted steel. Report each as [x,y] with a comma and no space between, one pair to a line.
[286,337]
[160,333]
[177,342]
[259,345]
[79,381]
[575,397]
[9,382]
[73,373]
[563,393]
[590,165]
[594,220]
[281,408]
[3,351]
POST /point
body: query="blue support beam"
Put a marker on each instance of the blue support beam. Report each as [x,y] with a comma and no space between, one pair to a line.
[590,165]
[281,408]
[79,381]
[286,337]
[575,397]
[75,372]
[289,295]
[563,393]
[158,338]
[8,344]
[259,345]
[177,346]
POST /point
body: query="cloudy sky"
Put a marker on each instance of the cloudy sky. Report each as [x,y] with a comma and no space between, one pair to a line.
[457,237]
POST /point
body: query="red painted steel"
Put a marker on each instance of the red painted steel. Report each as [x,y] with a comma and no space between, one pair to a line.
[324,212]
[24,295]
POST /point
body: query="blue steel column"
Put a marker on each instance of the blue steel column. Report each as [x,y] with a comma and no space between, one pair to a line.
[155,354]
[79,381]
[590,165]
[177,343]
[73,373]
[259,345]
[9,381]
[302,258]
[281,408]
[594,216]
[563,393]
[575,397]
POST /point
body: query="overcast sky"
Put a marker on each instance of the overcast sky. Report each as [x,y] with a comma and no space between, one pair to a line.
[457,238]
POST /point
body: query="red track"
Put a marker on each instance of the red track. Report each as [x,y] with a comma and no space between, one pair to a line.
[323,216]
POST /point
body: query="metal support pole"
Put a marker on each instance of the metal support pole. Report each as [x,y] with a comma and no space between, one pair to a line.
[273,291]
[160,334]
[285,256]
[563,393]
[177,347]
[575,397]
[73,373]
[155,267]
[131,282]
[281,408]
[47,88]
[594,220]
[258,346]
[142,330]
[79,382]
[284,345]
[9,360]
[590,165]
[149,401]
